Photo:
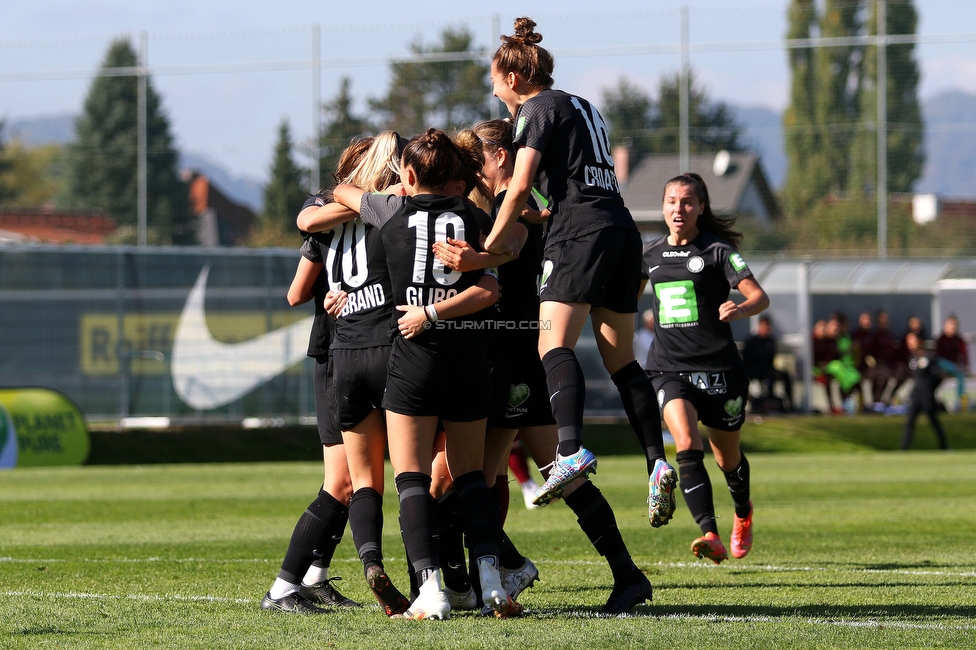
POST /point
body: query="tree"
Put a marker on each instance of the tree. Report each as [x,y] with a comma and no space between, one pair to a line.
[653,127]
[904,117]
[711,125]
[339,129]
[102,164]
[799,119]
[445,94]
[7,190]
[283,195]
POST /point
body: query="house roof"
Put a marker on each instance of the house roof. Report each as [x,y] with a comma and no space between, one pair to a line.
[743,187]
[55,226]
[231,221]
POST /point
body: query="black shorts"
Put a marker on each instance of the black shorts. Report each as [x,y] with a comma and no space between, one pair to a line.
[719,397]
[601,269]
[450,383]
[360,380]
[520,396]
[324,387]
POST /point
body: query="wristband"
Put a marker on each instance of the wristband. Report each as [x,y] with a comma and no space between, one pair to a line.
[430,313]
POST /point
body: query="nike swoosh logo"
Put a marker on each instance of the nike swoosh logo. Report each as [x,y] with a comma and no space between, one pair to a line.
[692,489]
[208,374]
[653,268]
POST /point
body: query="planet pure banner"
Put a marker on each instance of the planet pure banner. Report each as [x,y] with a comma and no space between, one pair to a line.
[48,426]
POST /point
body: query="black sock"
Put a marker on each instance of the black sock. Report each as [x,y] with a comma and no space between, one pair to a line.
[567,394]
[508,555]
[336,516]
[738,482]
[480,513]
[313,526]
[697,488]
[450,544]
[366,521]
[637,395]
[596,519]
[417,520]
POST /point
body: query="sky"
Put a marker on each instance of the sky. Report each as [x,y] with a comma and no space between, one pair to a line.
[198,51]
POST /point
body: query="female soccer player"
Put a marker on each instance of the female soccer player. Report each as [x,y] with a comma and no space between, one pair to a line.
[694,364]
[520,402]
[303,579]
[438,365]
[592,259]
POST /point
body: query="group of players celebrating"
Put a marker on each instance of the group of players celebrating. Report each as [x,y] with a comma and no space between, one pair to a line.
[420,355]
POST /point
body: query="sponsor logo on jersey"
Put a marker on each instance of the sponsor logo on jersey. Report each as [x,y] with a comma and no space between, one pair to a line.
[675,254]
[653,268]
[677,303]
[519,126]
[737,262]
[696,264]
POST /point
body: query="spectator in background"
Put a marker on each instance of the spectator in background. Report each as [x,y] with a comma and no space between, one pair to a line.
[758,356]
[926,375]
[953,358]
[890,366]
[824,351]
[842,367]
[644,337]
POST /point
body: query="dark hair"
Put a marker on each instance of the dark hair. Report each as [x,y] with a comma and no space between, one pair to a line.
[520,53]
[707,221]
[434,158]
[496,134]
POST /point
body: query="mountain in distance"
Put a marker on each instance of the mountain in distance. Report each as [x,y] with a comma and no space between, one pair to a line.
[762,132]
[950,145]
[60,129]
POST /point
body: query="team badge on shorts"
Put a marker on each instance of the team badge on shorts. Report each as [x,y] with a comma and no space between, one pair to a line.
[517,395]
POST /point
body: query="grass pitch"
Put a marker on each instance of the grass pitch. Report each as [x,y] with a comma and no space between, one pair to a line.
[853,550]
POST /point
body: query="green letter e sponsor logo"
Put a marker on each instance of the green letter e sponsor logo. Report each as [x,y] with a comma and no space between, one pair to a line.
[737,262]
[678,303]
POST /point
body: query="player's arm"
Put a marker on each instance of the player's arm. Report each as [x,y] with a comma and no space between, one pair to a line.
[755,301]
[300,290]
[318,218]
[460,256]
[501,238]
[481,295]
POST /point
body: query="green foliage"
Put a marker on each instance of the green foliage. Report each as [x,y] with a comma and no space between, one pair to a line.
[448,95]
[102,164]
[30,177]
[178,556]
[653,127]
[339,129]
[284,193]
[831,123]
[8,191]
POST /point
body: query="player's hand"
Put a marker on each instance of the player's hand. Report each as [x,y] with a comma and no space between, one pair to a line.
[413,322]
[729,311]
[334,302]
[456,254]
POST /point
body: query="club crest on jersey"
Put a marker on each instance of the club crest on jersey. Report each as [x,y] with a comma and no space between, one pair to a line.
[696,264]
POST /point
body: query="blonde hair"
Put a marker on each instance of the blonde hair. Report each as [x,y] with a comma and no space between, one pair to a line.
[380,166]
[471,160]
[521,53]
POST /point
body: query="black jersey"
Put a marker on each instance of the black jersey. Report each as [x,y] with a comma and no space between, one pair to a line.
[688,283]
[367,318]
[409,227]
[519,278]
[576,169]
[316,249]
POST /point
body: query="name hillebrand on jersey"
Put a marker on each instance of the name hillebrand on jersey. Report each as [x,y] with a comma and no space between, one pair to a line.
[605,179]
[420,296]
[365,298]
[675,253]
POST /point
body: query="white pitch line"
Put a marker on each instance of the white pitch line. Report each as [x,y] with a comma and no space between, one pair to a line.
[140,597]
